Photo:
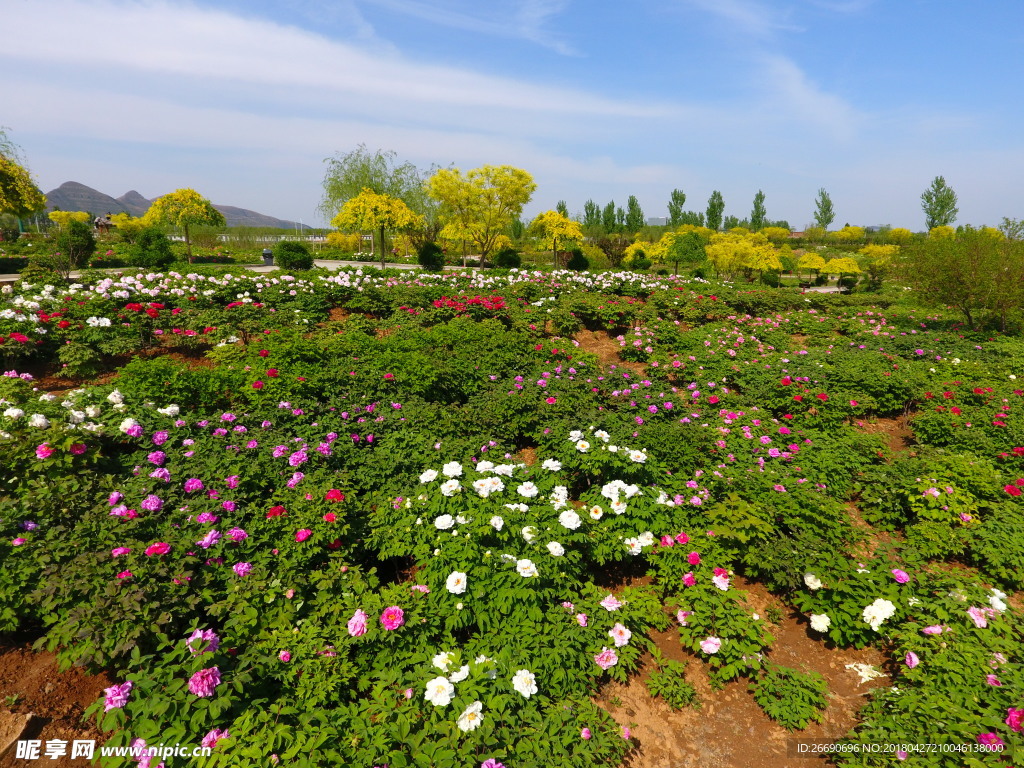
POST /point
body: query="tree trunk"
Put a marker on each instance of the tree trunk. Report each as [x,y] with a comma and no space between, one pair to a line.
[382,262]
[188,245]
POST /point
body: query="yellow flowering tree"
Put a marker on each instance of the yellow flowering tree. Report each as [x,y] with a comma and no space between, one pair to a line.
[184,208]
[128,226]
[899,236]
[479,206]
[740,249]
[776,234]
[849,234]
[555,227]
[19,195]
[845,265]
[369,211]
[877,260]
[944,232]
[811,261]
[63,218]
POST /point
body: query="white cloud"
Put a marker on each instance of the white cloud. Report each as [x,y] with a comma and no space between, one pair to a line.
[799,97]
[753,17]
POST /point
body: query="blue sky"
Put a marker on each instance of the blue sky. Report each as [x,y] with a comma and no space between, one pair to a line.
[244,99]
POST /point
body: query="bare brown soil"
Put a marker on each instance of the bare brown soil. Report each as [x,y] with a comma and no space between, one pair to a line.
[607,349]
[730,730]
[897,432]
[30,683]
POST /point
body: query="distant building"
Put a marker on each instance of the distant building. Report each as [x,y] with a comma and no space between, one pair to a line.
[657,221]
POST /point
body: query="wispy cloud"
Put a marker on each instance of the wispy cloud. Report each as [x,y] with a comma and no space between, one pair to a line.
[799,97]
[843,6]
[751,16]
[522,19]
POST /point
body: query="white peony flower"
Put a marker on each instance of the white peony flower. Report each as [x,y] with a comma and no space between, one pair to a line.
[170,410]
[812,581]
[497,523]
[444,522]
[596,512]
[442,660]
[877,612]
[638,456]
[620,635]
[439,692]
[575,436]
[528,490]
[452,469]
[556,549]
[461,673]
[128,424]
[504,469]
[618,507]
[115,397]
[450,487]
[820,622]
[551,465]
[602,435]
[484,466]
[93,411]
[582,446]
[471,718]
[525,683]
[456,582]
[570,519]
[47,398]
[634,546]
[997,600]
[39,421]
[529,532]
[14,413]
[526,569]
[429,476]
[646,539]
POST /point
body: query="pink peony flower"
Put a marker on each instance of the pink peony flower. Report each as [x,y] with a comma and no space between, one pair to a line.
[204,682]
[357,624]
[303,534]
[124,575]
[211,739]
[118,551]
[689,579]
[581,619]
[44,451]
[116,696]
[979,616]
[911,659]
[152,503]
[902,577]
[392,618]
[284,656]
[693,558]
[710,644]
[610,603]
[993,680]
[193,484]
[160,548]
[721,579]
[681,617]
[585,734]
[491,763]
[606,658]
[242,569]
[211,538]
[202,641]
[991,740]
[934,629]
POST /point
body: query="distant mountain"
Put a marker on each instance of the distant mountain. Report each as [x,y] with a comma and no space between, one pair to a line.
[72,196]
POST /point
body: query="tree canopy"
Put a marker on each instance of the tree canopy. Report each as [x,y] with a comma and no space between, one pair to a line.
[716,207]
[184,208]
[824,213]
[19,195]
[479,206]
[370,211]
[555,226]
[939,204]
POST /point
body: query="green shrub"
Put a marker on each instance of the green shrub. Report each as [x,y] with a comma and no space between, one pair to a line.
[791,698]
[669,683]
[578,262]
[508,258]
[291,255]
[430,256]
[150,249]
[77,242]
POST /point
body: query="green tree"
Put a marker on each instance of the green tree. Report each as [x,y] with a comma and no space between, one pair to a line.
[1012,229]
[676,202]
[824,213]
[562,208]
[972,271]
[634,215]
[480,206]
[716,207]
[683,247]
[555,226]
[608,217]
[370,211]
[939,204]
[19,195]
[184,208]
[591,216]
[758,215]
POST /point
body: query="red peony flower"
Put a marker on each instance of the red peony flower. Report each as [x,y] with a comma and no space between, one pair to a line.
[276,511]
[334,495]
[257,385]
[1013,490]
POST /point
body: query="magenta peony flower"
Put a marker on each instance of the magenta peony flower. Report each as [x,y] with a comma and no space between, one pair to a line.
[689,579]
[902,577]
[160,548]
[242,569]
[118,551]
[211,538]
[1015,719]
[204,682]
[237,534]
[303,534]
[44,451]
[992,740]
[491,763]
[357,624]
[124,575]
[392,618]
[285,656]
[585,734]
[152,503]
[193,484]
[993,680]
[116,696]
[693,558]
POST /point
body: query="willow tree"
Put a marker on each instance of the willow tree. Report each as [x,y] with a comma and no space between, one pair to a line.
[184,208]
[19,195]
[370,211]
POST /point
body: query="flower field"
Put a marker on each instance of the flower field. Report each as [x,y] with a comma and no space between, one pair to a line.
[367,519]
